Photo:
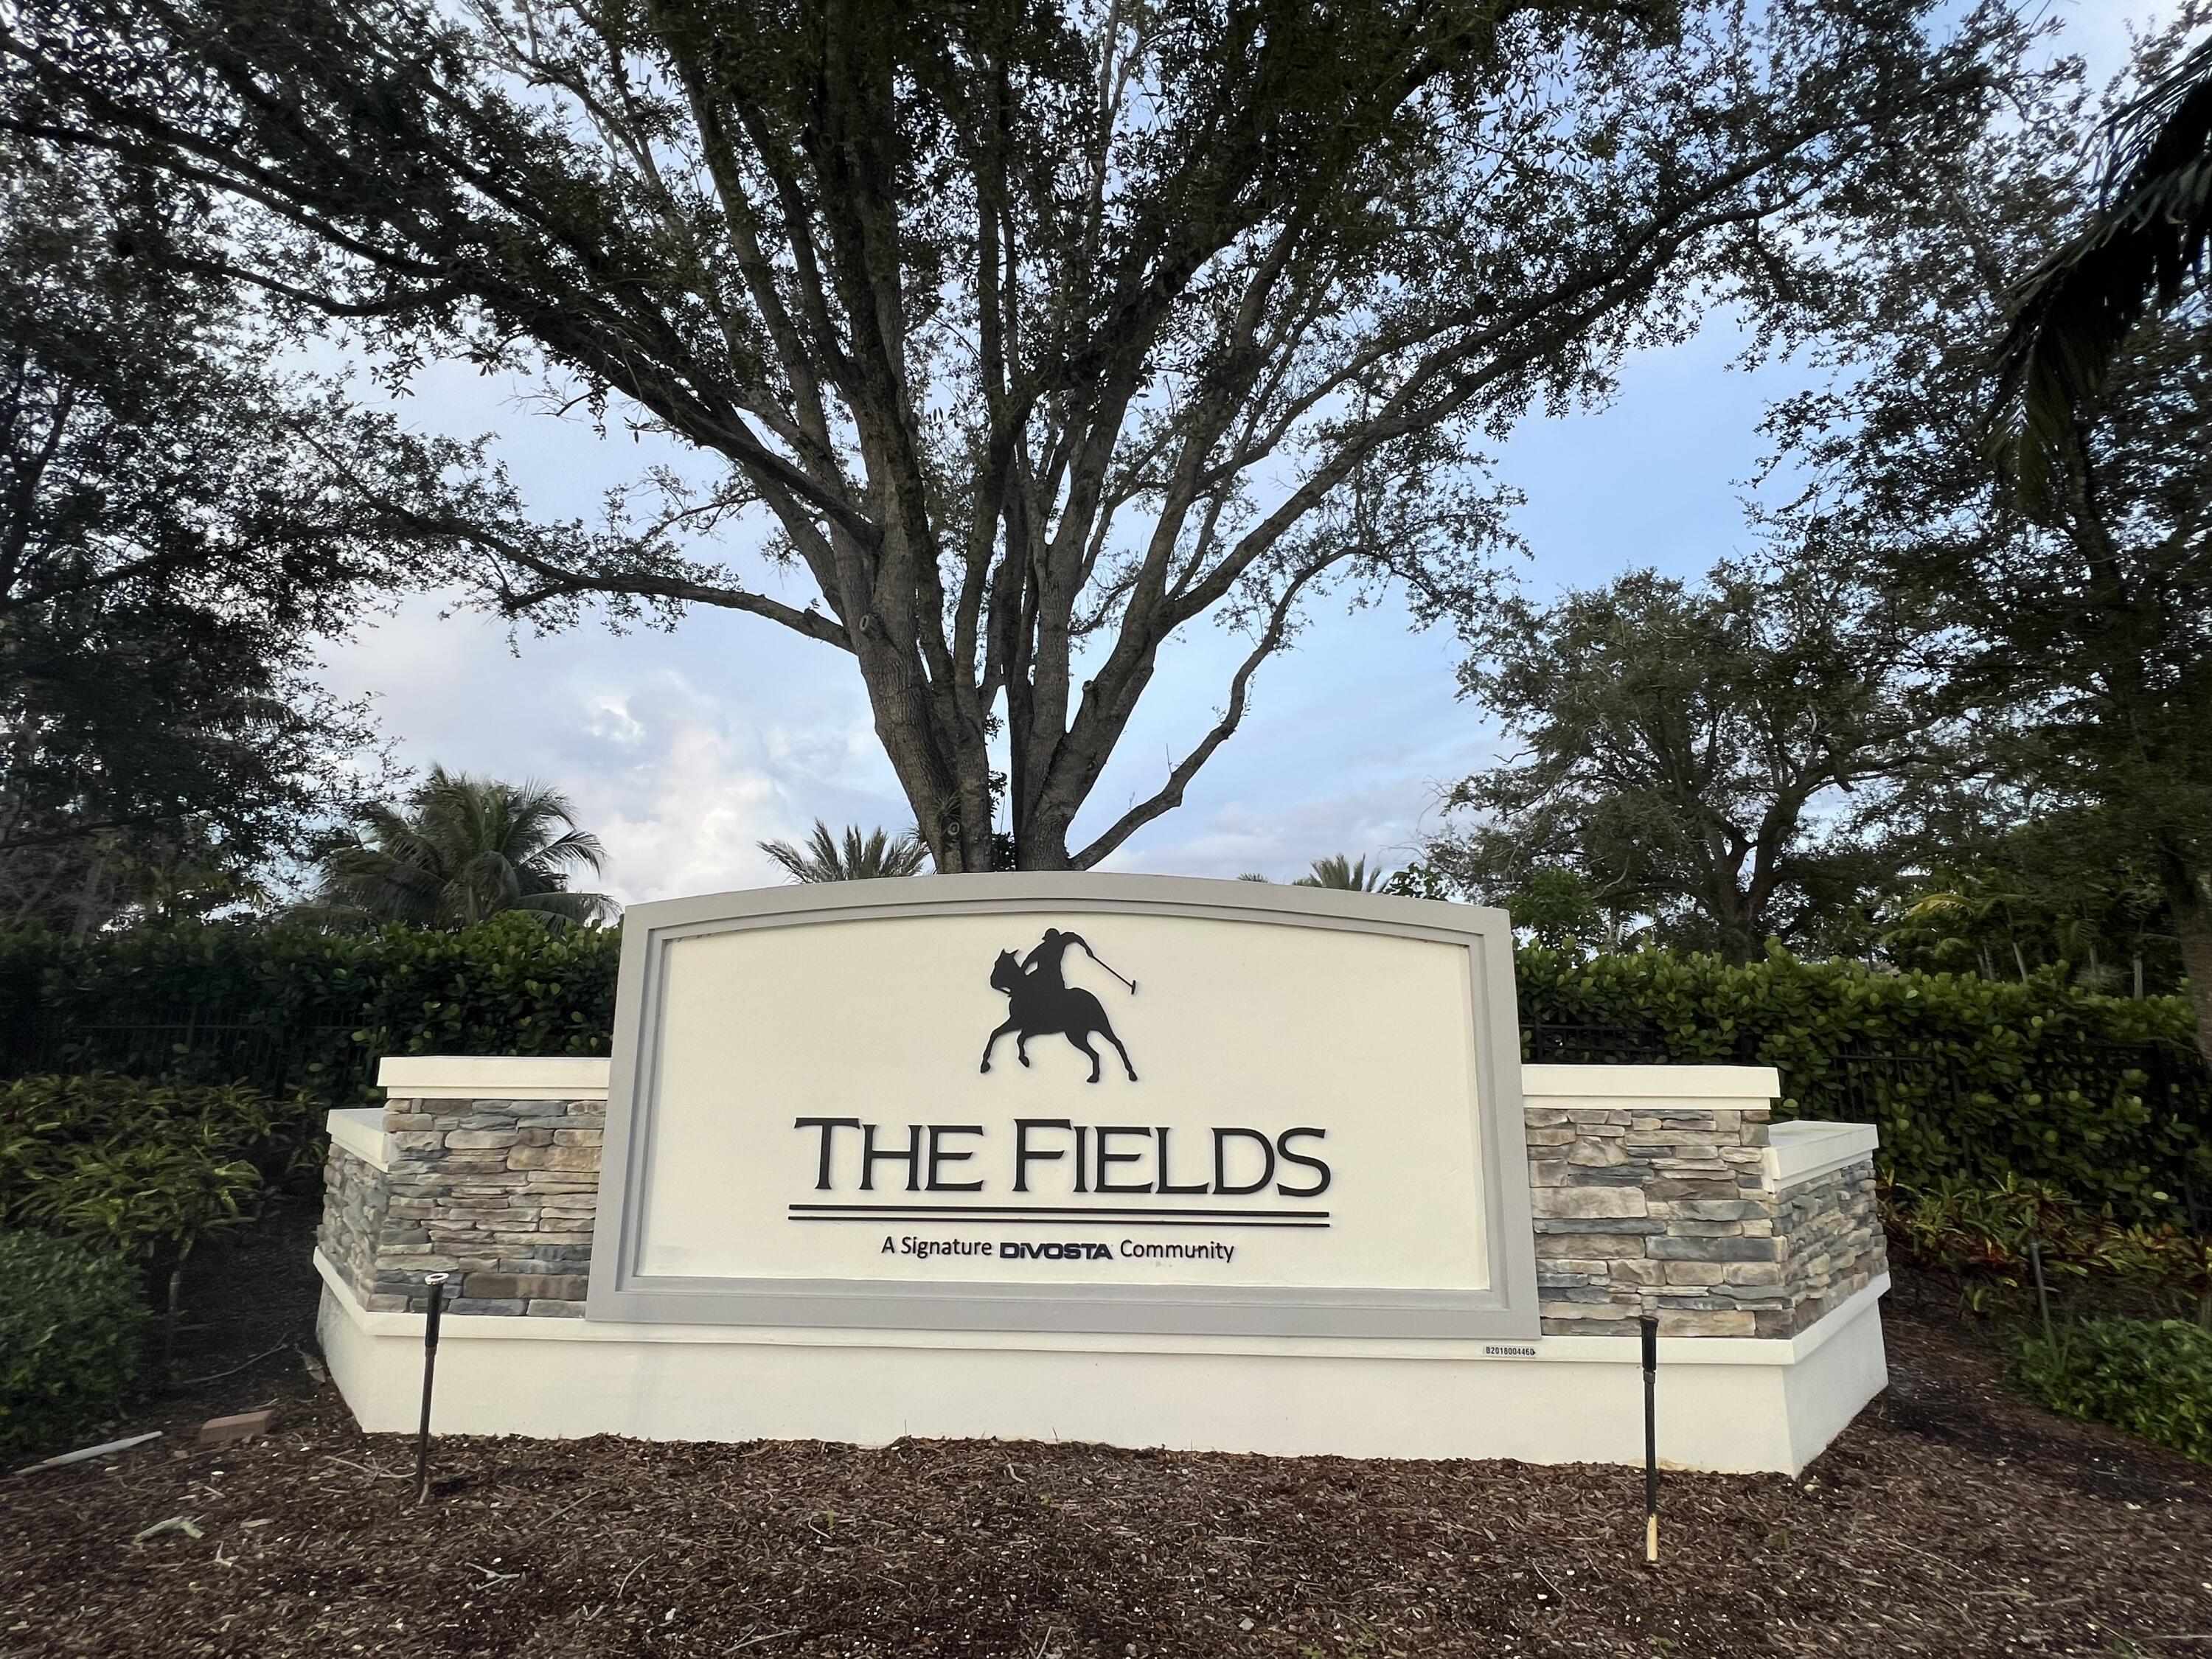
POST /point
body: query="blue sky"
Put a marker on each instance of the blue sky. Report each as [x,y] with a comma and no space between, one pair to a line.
[682,750]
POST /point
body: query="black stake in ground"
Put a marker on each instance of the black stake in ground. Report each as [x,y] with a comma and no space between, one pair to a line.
[437,1284]
[1650,1324]
[2042,1294]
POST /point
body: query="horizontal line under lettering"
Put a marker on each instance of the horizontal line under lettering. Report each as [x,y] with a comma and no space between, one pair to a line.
[1051,1221]
[1120,1210]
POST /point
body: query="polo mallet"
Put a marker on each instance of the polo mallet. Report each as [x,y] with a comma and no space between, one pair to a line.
[1093,954]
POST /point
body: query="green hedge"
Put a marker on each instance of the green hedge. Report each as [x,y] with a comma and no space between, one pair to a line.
[327,1004]
[1969,1079]
[2150,1377]
[72,1329]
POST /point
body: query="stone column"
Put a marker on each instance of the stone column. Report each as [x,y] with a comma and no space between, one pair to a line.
[496,1189]
[1669,1189]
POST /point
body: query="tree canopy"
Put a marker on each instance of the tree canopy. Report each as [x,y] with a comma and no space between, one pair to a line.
[871,857]
[172,551]
[2144,244]
[2086,622]
[1020,338]
[2057,888]
[1344,874]
[1728,758]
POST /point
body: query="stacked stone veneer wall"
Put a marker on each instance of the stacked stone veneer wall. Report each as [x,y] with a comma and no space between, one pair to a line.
[1833,1240]
[1652,1206]
[1645,1205]
[499,1193]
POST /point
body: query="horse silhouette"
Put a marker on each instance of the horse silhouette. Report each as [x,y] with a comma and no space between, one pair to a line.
[1040,1004]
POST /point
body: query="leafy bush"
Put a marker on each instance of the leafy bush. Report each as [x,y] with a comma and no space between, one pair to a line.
[72,1327]
[2151,1377]
[146,1168]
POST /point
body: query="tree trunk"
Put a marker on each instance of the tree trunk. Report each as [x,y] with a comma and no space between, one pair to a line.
[2192,924]
[1734,913]
[1741,946]
[83,926]
[1737,927]
[170,1316]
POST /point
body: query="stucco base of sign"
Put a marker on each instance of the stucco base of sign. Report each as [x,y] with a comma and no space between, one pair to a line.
[1745,1405]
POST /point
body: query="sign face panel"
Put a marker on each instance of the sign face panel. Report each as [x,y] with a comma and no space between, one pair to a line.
[1067,1102]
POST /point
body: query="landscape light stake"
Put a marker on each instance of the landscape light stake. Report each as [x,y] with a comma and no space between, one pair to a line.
[1650,1324]
[437,1284]
[2042,1293]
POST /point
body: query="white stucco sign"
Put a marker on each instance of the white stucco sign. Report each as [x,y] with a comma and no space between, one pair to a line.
[1067,1103]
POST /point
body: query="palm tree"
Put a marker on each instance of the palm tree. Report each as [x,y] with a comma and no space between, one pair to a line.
[860,859]
[2072,315]
[459,850]
[1344,874]
[1975,909]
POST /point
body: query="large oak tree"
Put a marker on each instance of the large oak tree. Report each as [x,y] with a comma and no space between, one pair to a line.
[2087,615]
[1019,338]
[1731,759]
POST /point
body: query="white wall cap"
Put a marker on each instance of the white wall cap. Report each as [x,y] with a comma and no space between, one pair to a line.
[360,1130]
[1745,1086]
[492,1076]
[1803,1151]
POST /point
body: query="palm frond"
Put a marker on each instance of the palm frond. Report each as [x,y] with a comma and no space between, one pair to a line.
[461,850]
[585,909]
[873,857]
[1342,874]
[2069,318]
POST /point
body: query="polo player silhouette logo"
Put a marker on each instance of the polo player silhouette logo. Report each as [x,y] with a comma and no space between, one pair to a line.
[1043,1003]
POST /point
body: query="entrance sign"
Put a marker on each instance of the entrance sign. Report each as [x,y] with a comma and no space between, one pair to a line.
[1063,1102]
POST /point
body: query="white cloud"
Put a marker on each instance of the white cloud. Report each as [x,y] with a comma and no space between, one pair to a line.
[679,752]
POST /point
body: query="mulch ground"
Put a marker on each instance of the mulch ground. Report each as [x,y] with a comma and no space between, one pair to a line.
[1953,1518]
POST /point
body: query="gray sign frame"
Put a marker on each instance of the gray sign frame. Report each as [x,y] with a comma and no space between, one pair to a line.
[1507,1310]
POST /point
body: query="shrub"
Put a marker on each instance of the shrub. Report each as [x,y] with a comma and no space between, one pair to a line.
[1981,1234]
[508,986]
[2150,1377]
[72,1327]
[145,1168]
[323,1004]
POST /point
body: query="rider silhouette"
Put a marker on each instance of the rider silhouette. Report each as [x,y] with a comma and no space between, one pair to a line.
[1041,1003]
[1043,964]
